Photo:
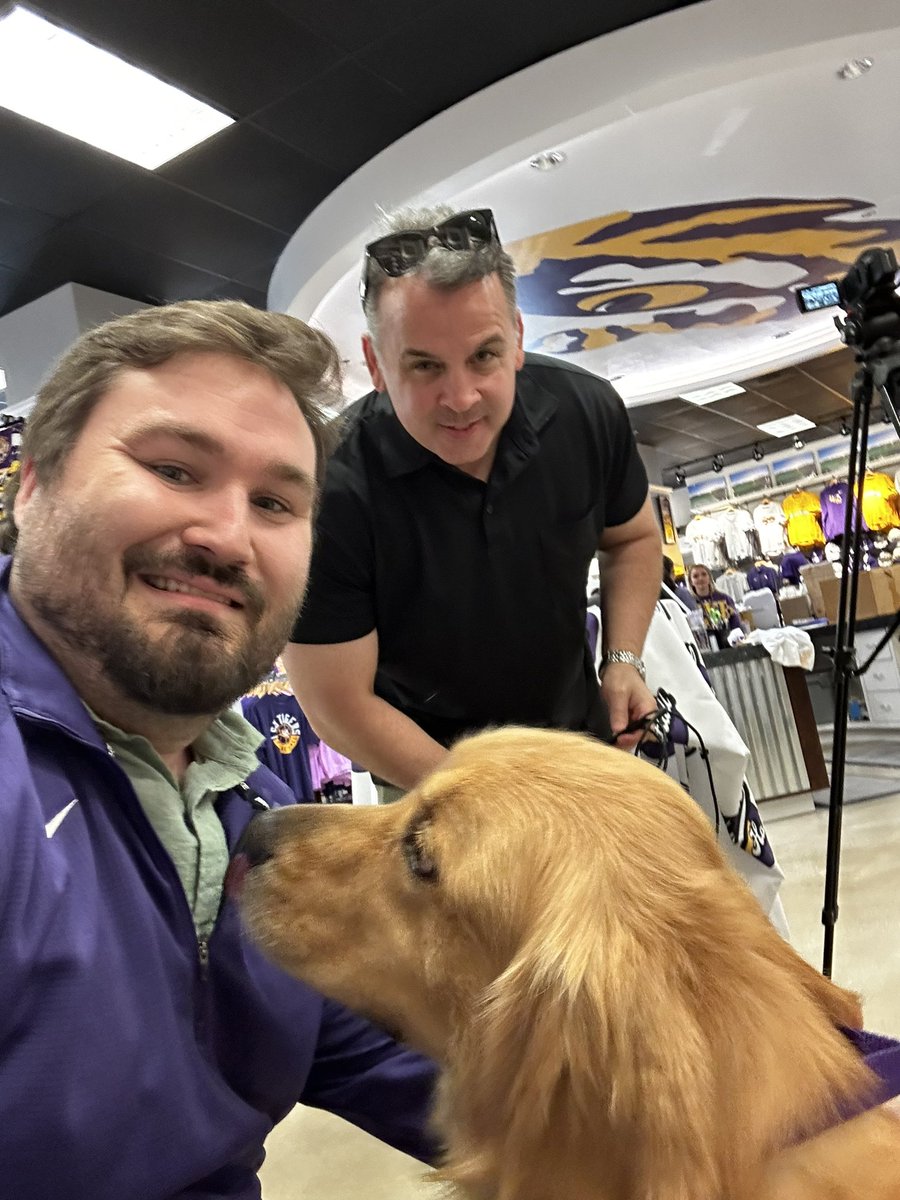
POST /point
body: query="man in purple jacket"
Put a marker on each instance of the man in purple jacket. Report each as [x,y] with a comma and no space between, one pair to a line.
[161,541]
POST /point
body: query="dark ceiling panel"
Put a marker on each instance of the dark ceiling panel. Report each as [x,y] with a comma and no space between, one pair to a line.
[344,118]
[749,408]
[168,221]
[8,283]
[360,23]
[109,265]
[237,55]
[19,226]
[246,170]
[53,173]
[435,60]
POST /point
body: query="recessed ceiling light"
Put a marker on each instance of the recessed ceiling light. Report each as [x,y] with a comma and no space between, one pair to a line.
[49,75]
[854,67]
[786,425]
[547,160]
[717,392]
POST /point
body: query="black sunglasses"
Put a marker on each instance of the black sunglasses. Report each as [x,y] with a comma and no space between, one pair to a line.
[399,253]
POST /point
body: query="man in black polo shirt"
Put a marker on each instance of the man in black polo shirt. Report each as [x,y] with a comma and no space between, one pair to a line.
[459,514]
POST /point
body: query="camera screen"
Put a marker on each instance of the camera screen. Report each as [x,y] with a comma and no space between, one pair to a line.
[820,295]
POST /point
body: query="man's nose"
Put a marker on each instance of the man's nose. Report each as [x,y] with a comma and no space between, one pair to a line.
[460,391]
[221,525]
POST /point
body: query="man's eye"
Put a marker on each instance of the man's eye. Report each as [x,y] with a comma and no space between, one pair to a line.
[420,863]
[270,504]
[424,367]
[172,473]
[484,356]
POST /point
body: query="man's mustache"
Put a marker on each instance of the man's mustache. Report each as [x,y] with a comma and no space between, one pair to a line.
[139,561]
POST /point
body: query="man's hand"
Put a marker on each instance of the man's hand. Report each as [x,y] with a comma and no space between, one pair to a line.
[628,699]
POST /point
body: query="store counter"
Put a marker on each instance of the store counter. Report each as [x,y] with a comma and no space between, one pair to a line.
[878,690]
[771,708]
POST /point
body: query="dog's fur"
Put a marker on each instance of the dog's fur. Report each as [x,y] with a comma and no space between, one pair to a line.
[616,1018]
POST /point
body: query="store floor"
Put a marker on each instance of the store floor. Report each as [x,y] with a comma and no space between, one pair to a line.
[316,1157]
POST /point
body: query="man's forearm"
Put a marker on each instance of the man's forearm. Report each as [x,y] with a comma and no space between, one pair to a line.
[629,589]
[377,736]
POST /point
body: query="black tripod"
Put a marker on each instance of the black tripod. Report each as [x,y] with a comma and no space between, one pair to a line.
[873,329]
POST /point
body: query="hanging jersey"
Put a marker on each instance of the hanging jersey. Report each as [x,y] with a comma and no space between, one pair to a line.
[881,510]
[833,501]
[761,576]
[737,528]
[733,584]
[803,511]
[705,535]
[769,521]
[790,567]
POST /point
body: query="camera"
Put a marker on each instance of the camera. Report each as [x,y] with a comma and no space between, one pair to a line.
[867,294]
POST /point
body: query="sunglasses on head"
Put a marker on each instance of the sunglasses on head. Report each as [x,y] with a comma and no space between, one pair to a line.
[399,253]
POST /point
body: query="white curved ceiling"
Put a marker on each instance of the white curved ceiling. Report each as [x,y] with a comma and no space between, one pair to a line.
[714,161]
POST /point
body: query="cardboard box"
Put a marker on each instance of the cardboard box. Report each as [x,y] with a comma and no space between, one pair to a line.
[875,597]
[812,577]
[795,608]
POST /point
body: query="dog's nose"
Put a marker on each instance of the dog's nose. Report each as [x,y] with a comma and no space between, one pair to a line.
[257,842]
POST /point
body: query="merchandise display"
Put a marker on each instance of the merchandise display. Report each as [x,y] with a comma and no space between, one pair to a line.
[769,550]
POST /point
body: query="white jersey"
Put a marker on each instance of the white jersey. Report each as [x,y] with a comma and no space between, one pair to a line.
[737,526]
[705,536]
[770,522]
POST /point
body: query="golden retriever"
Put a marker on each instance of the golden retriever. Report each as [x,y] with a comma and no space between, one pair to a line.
[553,921]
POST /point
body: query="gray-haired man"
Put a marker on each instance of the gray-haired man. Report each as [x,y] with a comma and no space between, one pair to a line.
[460,511]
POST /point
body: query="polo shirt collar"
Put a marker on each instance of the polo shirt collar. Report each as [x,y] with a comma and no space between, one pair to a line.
[401,454]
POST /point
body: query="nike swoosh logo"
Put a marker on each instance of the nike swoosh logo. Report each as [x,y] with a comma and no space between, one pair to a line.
[52,825]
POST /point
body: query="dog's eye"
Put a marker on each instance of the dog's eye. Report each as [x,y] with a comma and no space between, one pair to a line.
[418,859]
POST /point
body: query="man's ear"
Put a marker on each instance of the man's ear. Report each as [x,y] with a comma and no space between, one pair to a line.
[371,357]
[520,334]
[28,482]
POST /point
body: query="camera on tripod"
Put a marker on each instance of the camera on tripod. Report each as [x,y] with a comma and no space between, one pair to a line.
[867,294]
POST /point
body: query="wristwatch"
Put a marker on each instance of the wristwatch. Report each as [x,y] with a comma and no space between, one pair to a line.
[624,656]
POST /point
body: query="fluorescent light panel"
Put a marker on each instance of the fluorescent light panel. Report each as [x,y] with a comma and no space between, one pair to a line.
[56,78]
[785,425]
[717,392]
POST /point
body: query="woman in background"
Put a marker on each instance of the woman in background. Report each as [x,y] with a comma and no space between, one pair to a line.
[719,613]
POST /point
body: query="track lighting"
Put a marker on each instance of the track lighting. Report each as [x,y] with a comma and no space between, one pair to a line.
[718,463]
[845,428]
[680,476]
[757,453]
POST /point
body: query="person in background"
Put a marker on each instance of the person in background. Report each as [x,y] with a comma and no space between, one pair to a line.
[160,545]
[468,493]
[719,613]
[685,595]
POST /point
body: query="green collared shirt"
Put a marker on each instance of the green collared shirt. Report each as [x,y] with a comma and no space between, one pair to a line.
[185,818]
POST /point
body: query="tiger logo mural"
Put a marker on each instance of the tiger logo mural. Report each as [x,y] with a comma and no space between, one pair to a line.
[613,278]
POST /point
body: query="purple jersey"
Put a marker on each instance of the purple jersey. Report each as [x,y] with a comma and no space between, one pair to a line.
[834,507]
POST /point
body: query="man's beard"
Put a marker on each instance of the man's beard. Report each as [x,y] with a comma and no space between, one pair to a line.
[194,669]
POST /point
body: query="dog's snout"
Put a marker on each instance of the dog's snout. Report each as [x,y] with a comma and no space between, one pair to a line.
[257,842]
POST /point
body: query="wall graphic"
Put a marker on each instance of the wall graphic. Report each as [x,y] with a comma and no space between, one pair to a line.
[701,266]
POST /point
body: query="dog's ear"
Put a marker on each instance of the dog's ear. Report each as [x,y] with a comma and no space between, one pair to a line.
[675,1048]
[581,1043]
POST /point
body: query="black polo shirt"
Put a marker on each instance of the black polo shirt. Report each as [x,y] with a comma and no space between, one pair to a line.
[476,590]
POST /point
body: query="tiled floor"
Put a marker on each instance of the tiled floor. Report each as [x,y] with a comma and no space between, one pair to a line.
[316,1157]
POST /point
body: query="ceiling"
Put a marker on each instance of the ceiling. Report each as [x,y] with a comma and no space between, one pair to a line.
[714,161]
[317,87]
[689,436]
